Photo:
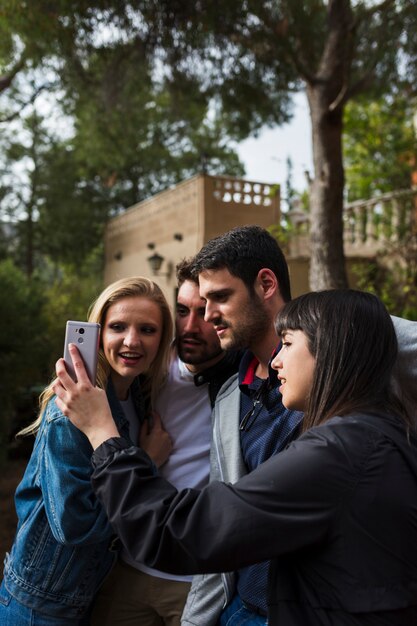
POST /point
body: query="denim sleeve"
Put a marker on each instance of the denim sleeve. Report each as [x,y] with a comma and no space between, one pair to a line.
[74,514]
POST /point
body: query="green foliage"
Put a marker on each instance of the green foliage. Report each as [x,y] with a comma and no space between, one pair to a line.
[24,339]
[137,135]
[393,277]
[380,146]
[132,132]
[32,326]
[290,192]
[282,233]
[69,296]
[73,210]
[396,290]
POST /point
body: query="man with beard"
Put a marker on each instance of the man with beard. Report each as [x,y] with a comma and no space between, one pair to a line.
[244,280]
[134,593]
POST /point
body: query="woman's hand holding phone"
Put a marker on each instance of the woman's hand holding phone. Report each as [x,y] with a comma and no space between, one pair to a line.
[86,335]
[83,403]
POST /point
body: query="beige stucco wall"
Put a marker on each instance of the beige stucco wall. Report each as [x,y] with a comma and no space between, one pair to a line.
[299,270]
[177,222]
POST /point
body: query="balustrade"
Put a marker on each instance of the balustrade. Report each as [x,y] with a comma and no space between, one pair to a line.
[242,191]
[369,225]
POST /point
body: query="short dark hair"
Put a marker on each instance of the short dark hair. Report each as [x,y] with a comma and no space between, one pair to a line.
[351,335]
[184,272]
[244,251]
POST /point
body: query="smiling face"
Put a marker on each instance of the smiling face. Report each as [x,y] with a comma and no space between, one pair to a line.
[197,342]
[130,336]
[295,366]
[239,317]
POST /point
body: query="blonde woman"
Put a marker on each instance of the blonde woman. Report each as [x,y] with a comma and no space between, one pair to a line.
[63,545]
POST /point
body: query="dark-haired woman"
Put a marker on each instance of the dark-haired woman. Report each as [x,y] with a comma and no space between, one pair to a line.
[336,511]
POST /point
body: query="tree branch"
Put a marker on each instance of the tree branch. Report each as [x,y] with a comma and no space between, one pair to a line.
[296,55]
[6,80]
[293,49]
[367,77]
[32,99]
[360,85]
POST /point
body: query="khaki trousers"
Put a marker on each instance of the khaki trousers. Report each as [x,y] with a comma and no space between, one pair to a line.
[133,598]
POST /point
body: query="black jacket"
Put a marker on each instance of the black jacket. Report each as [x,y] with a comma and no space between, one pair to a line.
[336,512]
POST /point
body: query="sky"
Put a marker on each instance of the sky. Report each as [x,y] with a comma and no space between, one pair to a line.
[265,157]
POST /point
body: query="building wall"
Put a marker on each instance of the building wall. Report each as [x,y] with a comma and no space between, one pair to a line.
[180,220]
[299,271]
[177,222]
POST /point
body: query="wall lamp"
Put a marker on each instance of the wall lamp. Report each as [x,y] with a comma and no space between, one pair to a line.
[156,260]
[155,263]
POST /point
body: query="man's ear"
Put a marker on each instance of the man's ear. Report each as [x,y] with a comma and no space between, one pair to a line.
[267,283]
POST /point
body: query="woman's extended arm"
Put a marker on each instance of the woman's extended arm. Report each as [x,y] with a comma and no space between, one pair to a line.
[284,505]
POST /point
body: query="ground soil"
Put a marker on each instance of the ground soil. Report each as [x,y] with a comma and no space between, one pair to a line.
[10,474]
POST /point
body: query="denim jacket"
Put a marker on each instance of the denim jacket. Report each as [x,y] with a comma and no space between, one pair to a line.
[63,545]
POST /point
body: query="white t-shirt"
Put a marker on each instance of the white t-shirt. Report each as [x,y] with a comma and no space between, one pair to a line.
[185,411]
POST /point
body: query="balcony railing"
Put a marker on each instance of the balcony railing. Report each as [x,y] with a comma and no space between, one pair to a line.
[370,226]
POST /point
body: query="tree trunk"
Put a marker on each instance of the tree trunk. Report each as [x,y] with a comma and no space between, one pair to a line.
[327,261]
[326,93]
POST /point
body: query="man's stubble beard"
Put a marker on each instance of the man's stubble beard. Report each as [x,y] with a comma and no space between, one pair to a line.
[197,359]
[253,324]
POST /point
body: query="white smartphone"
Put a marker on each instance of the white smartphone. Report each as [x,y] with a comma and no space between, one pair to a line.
[86,336]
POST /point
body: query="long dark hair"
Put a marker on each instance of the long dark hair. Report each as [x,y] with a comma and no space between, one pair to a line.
[353,340]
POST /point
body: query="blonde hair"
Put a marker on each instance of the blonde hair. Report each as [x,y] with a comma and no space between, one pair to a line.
[152,379]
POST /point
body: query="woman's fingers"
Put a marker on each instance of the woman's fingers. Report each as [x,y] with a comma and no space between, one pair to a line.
[156,421]
[78,363]
[155,440]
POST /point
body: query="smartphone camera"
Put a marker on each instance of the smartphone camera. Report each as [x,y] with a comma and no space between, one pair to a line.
[81,331]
